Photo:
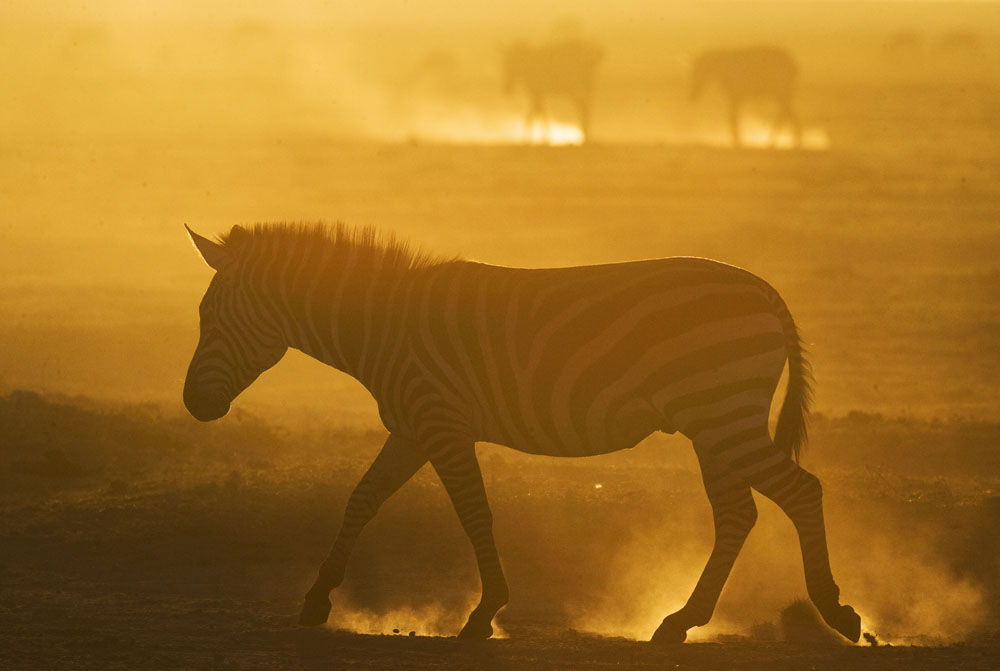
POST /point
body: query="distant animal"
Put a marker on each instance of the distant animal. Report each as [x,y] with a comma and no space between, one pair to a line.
[750,74]
[564,69]
[904,43]
[962,42]
[567,362]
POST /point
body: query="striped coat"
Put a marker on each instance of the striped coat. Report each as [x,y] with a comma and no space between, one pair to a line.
[563,362]
[587,360]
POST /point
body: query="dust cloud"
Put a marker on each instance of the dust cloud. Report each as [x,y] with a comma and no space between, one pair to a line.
[430,620]
[905,588]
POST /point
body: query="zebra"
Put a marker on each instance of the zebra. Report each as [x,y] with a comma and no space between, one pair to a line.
[568,362]
[962,42]
[753,73]
[563,68]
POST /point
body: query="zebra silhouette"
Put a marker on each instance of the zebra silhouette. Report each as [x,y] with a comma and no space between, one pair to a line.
[559,69]
[560,361]
[749,74]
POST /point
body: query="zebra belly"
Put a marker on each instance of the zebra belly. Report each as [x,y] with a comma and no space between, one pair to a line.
[633,423]
[550,448]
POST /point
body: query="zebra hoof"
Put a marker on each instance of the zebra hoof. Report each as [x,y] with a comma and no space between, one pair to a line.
[476,630]
[847,623]
[669,633]
[315,610]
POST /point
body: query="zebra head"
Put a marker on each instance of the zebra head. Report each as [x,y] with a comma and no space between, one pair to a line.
[240,337]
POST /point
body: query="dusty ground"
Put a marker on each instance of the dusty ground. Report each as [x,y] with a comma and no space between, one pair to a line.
[144,545]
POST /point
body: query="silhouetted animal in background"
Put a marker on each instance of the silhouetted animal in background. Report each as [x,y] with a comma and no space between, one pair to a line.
[559,69]
[904,43]
[564,362]
[755,73]
[962,42]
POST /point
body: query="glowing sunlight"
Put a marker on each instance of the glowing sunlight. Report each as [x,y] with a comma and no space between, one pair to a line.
[426,620]
[757,133]
[473,127]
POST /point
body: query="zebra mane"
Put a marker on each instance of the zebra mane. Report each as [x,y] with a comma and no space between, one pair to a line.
[339,240]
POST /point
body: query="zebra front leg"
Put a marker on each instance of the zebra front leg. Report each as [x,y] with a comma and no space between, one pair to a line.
[531,121]
[734,123]
[583,105]
[458,468]
[734,513]
[394,465]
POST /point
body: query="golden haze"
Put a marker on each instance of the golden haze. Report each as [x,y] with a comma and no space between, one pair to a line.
[123,121]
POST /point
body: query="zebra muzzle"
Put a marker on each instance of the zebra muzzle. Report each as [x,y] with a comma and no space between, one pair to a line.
[206,407]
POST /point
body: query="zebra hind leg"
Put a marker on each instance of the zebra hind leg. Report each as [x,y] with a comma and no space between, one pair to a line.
[785,116]
[799,494]
[458,468]
[394,465]
[734,514]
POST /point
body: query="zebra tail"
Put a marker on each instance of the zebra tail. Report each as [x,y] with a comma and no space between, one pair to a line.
[791,432]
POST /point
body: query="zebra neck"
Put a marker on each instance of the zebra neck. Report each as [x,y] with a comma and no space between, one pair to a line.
[348,323]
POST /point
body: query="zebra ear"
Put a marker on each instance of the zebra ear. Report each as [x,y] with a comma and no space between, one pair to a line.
[214,254]
[237,236]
